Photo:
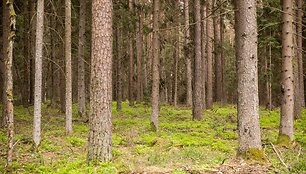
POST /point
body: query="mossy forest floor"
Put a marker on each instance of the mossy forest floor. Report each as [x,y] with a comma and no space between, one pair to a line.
[181,146]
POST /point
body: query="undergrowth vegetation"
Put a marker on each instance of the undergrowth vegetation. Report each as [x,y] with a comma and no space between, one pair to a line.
[181,143]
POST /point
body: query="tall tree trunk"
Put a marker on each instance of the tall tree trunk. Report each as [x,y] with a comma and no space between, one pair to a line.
[26,52]
[300,52]
[54,65]
[9,84]
[38,72]
[68,110]
[246,54]
[187,53]
[155,66]
[81,56]
[119,70]
[131,56]
[209,47]
[4,48]
[100,124]
[32,49]
[222,52]
[197,82]
[176,61]
[139,53]
[204,61]
[287,106]
[217,51]
[270,77]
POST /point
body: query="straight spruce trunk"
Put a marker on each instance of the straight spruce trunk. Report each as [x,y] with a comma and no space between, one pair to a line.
[246,55]
[217,51]
[300,51]
[100,124]
[139,36]
[131,57]
[38,72]
[287,105]
[204,60]
[119,66]
[68,91]
[209,52]
[197,82]
[187,53]
[81,58]
[9,84]
[155,67]
[5,28]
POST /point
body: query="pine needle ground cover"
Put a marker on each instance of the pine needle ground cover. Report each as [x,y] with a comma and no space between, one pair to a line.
[181,145]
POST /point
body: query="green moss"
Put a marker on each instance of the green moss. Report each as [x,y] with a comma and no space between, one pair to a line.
[284,140]
[254,154]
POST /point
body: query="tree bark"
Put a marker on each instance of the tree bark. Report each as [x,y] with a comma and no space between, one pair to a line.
[131,56]
[300,52]
[155,67]
[26,51]
[209,47]
[68,110]
[100,124]
[204,61]
[197,82]
[38,72]
[287,106]
[217,51]
[139,53]
[81,56]
[187,53]
[9,83]
[5,46]
[119,70]
[246,55]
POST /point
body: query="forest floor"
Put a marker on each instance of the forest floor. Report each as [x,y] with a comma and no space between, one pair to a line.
[181,146]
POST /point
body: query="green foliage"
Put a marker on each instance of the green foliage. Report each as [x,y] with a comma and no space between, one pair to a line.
[180,141]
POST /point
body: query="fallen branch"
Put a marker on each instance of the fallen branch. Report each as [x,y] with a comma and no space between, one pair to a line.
[279,157]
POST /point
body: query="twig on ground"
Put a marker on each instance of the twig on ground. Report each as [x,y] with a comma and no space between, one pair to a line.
[279,157]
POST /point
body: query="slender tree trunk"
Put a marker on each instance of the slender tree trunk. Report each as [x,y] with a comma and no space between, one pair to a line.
[131,56]
[9,84]
[119,70]
[287,106]
[222,53]
[155,66]
[81,56]
[68,110]
[217,51]
[197,82]
[187,53]
[176,61]
[300,52]
[209,46]
[139,54]
[100,124]
[5,47]
[246,53]
[270,77]
[204,61]
[26,52]
[54,65]
[32,51]
[38,72]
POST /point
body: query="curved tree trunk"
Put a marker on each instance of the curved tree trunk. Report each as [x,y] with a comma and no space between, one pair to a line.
[100,124]
[246,54]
